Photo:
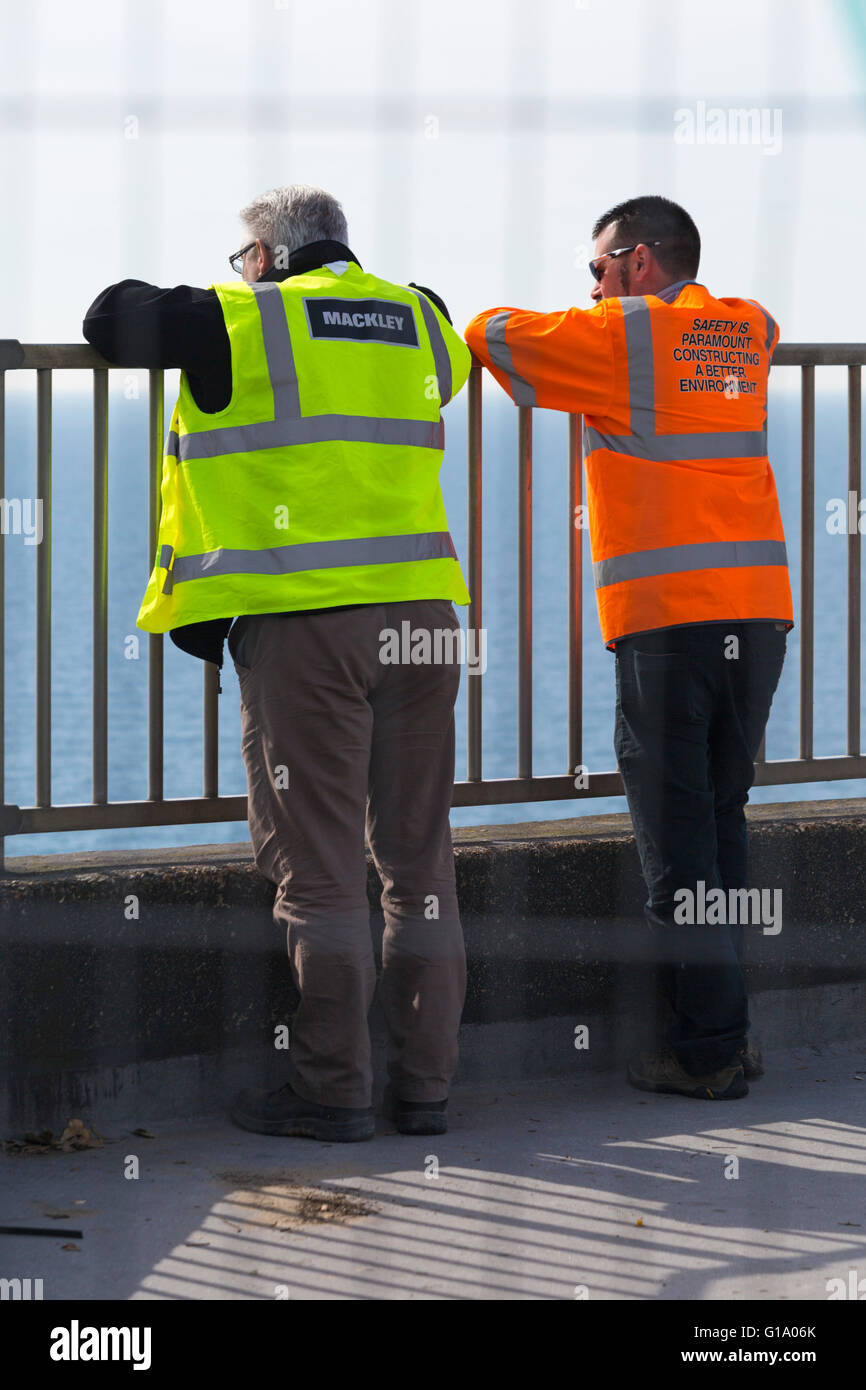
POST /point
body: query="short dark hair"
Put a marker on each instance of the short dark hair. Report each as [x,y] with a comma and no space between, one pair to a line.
[653,218]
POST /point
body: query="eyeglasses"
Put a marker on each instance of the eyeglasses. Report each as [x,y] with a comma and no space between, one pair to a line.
[611,255]
[237,260]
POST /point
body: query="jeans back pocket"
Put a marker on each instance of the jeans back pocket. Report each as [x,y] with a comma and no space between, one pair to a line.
[664,688]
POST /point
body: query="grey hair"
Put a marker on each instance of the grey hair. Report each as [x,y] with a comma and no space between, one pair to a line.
[293,216]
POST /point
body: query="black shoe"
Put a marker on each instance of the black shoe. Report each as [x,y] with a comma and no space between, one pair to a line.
[284,1112]
[416,1116]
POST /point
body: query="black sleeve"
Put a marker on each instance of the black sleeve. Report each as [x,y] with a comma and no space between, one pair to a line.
[134,324]
[430,295]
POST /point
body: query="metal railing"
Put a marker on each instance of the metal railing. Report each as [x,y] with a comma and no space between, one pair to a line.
[157,809]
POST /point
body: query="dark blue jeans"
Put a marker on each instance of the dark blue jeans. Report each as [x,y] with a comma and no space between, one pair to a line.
[691,707]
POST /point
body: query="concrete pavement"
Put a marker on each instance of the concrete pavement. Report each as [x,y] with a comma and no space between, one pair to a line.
[546,1190]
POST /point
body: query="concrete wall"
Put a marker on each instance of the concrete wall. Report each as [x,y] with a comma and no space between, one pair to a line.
[120,1020]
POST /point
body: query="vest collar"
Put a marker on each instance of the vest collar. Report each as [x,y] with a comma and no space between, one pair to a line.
[670,292]
[310,257]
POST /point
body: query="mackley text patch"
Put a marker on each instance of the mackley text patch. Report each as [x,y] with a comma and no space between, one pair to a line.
[362,320]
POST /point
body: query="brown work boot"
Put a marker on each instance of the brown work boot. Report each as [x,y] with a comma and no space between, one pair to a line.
[661,1071]
[753,1062]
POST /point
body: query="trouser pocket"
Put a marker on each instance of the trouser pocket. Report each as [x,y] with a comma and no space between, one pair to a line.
[659,687]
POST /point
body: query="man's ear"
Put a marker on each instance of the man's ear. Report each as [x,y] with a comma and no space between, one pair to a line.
[641,260]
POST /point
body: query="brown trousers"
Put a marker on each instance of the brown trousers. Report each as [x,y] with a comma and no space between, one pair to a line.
[336,741]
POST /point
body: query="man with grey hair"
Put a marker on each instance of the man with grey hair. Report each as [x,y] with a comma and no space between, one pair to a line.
[301,498]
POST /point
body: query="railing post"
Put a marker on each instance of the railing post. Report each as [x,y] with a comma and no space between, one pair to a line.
[854,554]
[475,540]
[210,729]
[156,393]
[2,612]
[43,589]
[807,557]
[99,733]
[575,592]
[524,594]
[11,356]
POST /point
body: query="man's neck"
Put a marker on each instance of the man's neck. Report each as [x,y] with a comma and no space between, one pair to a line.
[310,257]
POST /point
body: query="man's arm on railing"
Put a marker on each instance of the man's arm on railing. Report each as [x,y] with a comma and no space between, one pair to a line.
[558,361]
[134,324]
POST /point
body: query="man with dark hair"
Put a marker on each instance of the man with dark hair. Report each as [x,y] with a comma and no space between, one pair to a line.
[653,217]
[692,584]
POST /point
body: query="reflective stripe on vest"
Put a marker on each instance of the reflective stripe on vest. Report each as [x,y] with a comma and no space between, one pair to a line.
[643,442]
[313,429]
[440,351]
[676,559]
[278,351]
[311,555]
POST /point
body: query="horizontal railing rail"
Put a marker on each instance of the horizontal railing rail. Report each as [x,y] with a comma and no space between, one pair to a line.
[100,813]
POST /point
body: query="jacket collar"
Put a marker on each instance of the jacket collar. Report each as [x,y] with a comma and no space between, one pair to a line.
[670,292]
[310,257]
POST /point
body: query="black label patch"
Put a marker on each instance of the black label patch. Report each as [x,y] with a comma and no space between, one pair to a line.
[362,320]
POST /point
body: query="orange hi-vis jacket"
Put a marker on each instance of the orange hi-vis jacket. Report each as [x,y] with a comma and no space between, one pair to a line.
[684,518]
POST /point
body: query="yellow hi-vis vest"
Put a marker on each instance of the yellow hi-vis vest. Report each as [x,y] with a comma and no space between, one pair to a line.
[318,484]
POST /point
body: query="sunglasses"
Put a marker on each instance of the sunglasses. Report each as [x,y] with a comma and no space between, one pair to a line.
[596,268]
